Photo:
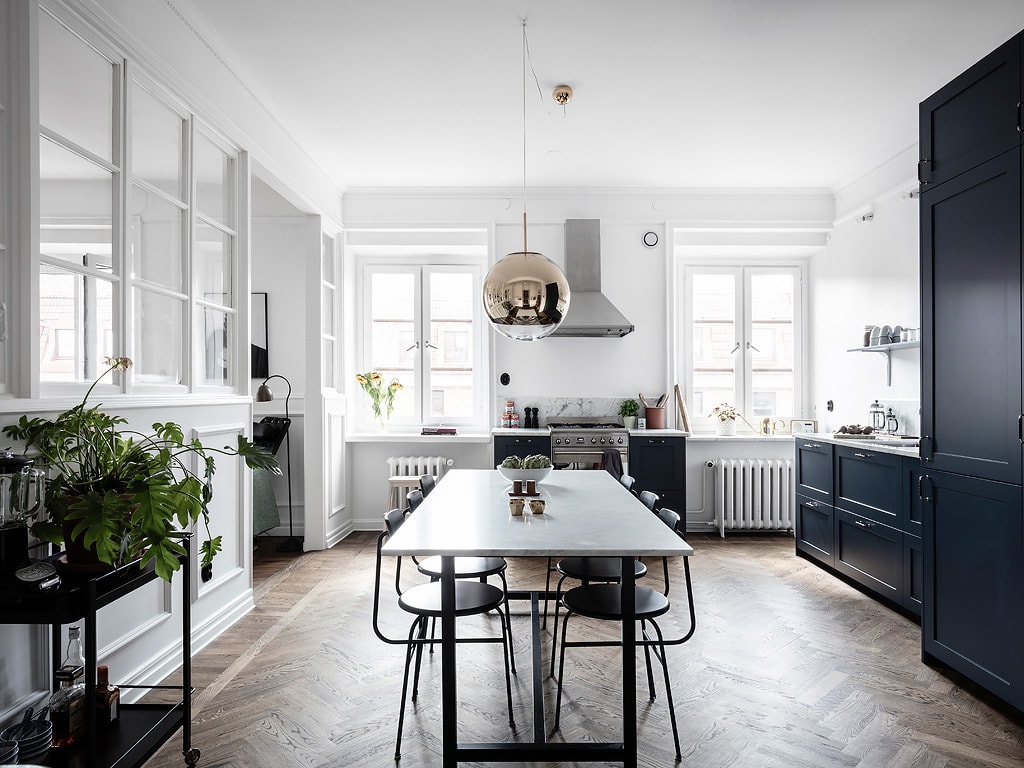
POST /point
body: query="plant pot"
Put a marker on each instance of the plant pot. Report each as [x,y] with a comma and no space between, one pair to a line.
[629,422]
[726,428]
[77,557]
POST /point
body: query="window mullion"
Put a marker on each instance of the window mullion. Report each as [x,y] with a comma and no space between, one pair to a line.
[422,324]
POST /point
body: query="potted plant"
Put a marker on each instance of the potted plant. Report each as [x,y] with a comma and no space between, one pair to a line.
[725,419]
[119,494]
[628,410]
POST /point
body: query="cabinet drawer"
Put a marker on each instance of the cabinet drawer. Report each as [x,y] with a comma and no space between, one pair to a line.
[870,484]
[658,463]
[870,553]
[814,469]
[814,533]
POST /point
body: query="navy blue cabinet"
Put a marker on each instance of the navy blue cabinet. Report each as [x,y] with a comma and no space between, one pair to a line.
[970,505]
[973,118]
[974,587]
[658,464]
[854,517]
[521,446]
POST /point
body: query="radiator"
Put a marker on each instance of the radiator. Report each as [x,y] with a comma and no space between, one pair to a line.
[404,475]
[753,494]
[419,465]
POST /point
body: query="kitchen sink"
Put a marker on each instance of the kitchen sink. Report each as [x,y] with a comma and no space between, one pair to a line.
[903,442]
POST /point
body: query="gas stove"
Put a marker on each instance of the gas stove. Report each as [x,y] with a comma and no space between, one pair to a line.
[594,433]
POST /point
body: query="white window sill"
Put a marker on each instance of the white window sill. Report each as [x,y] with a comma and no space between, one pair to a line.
[416,437]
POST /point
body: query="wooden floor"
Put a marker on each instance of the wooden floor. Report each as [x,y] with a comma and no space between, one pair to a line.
[789,667]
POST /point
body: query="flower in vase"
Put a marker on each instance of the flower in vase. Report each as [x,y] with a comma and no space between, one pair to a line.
[382,395]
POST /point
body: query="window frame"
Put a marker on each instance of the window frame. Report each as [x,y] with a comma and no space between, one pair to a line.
[421,267]
[743,271]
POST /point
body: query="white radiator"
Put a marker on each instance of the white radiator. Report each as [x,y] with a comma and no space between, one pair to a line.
[753,494]
[404,474]
[419,465]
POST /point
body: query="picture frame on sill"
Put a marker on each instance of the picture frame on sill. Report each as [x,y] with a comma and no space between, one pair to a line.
[803,426]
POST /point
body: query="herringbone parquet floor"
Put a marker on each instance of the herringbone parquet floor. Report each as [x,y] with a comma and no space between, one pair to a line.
[789,667]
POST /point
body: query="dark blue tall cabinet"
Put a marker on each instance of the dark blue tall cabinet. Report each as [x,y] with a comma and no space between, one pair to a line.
[971,405]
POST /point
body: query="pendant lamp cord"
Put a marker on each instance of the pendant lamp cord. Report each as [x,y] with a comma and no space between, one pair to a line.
[525,49]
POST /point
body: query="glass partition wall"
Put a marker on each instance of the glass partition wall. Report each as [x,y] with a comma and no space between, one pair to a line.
[138,225]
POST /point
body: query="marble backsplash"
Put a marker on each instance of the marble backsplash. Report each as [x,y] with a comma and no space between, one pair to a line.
[551,407]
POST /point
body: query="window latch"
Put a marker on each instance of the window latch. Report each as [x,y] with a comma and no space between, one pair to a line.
[751,346]
[428,345]
[416,345]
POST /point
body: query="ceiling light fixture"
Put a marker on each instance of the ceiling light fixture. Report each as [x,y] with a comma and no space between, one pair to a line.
[562,94]
[525,294]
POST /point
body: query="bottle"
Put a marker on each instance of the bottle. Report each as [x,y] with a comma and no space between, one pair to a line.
[75,657]
[108,699]
[67,708]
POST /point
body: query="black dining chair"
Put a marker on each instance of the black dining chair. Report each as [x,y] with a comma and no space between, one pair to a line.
[414,498]
[650,499]
[604,603]
[423,601]
[427,483]
[628,481]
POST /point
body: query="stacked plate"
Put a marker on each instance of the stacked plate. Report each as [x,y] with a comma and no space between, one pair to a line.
[32,742]
[8,751]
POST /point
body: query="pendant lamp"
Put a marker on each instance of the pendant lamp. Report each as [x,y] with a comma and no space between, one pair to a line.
[525,294]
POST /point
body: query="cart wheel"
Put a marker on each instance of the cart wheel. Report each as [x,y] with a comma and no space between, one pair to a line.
[192,756]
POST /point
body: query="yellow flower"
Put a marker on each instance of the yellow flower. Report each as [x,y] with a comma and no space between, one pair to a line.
[395,386]
[375,377]
[361,379]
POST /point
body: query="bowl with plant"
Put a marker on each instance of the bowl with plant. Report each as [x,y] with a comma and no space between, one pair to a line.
[114,494]
[536,467]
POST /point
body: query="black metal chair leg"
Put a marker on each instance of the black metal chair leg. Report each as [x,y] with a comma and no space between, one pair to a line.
[508,618]
[405,689]
[647,658]
[554,626]
[561,667]
[506,642]
[419,658]
[668,690]
[547,589]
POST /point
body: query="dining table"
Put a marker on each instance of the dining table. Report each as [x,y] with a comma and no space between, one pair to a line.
[586,514]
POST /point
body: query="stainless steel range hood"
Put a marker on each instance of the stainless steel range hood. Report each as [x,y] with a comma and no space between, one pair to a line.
[590,312]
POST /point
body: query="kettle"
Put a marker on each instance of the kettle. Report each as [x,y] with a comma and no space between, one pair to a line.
[17,505]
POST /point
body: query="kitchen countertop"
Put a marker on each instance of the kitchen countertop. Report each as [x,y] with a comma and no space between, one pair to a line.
[868,444]
[543,431]
[657,432]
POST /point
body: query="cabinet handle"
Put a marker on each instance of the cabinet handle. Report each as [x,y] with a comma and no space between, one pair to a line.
[920,488]
[812,446]
[811,504]
[862,524]
[863,455]
[1018,117]
[1020,428]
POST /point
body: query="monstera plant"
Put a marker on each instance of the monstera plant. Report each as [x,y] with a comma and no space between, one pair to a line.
[118,494]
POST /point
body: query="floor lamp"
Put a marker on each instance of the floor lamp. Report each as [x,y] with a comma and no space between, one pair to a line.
[264,395]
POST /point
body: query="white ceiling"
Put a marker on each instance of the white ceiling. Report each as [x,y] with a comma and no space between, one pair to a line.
[668,93]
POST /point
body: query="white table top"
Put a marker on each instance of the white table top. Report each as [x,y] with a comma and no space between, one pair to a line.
[587,513]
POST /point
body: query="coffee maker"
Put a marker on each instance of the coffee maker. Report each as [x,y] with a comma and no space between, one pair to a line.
[21,496]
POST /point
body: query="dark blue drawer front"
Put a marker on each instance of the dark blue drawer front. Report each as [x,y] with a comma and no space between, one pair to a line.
[870,484]
[814,529]
[870,553]
[814,469]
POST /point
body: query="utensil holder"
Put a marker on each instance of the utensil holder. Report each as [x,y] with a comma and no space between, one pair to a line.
[655,417]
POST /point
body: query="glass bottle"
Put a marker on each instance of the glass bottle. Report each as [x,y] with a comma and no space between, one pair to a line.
[108,698]
[75,657]
[67,708]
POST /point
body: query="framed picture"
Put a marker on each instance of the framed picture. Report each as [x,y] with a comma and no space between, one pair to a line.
[798,426]
[259,348]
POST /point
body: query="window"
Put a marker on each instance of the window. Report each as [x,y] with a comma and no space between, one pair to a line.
[741,339]
[138,249]
[422,325]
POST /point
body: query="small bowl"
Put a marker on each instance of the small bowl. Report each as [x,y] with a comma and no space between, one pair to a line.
[523,474]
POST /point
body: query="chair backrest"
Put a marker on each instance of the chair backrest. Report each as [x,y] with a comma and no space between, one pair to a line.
[427,484]
[670,518]
[415,498]
[650,499]
[393,520]
[627,481]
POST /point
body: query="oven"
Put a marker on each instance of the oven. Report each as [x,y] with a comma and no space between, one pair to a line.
[582,443]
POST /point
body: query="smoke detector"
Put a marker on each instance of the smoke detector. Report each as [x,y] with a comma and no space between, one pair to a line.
[562,94]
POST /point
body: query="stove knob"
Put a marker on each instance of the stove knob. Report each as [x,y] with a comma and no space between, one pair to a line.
[593,440]
[602,441]
[558,441]
[620,441]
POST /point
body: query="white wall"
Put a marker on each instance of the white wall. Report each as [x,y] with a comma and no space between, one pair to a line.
[868,273]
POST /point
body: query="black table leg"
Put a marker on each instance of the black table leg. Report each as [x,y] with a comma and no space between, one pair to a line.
[449,692]
[629,740]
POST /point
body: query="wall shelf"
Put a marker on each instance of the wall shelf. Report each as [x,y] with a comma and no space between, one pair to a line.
[887,349]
